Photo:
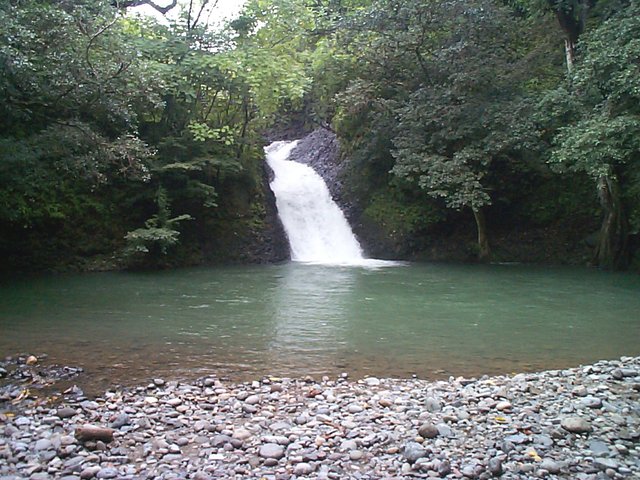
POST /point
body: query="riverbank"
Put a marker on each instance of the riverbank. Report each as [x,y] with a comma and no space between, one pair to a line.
[580,423]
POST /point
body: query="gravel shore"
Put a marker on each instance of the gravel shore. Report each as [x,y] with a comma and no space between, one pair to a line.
[581,423]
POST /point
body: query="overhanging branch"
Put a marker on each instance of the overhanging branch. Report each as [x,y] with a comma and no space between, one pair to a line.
[137,3]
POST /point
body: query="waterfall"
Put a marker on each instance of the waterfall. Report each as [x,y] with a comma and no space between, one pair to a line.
[317,229]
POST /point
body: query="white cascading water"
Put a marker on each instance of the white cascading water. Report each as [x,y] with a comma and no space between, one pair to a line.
[317,229]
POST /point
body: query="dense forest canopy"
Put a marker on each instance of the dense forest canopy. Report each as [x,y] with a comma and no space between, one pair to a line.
[140,142]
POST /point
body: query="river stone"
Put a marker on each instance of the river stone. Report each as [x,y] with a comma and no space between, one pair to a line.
[202,476]
[252,400]
[503,406]
[372,381]
[550,466]
[598,448]
[302,469]
[413,451]
[107,472]
[591,402]
[89,472]
[469,471]
[271,450]
[348,445]
[576,425]
[495,467]
[443,468]
[43,444]
[617,374]
[66,412]
[428,430]
[120,421]
[356,455]
[354,408]
[517,438]
[605,463]
[444,430]
[432,405]
[241,434]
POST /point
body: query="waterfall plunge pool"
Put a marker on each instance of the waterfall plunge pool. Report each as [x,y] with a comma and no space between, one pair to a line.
[297,319]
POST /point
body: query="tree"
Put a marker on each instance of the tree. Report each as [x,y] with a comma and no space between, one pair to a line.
[602,137]
[451,75]
[70,89]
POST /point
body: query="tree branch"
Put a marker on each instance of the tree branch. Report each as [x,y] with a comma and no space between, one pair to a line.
[138,3]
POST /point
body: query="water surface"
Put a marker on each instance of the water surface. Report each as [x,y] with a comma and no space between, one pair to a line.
[296,319]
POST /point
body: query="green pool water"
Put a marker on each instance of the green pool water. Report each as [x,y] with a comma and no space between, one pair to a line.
[296,319]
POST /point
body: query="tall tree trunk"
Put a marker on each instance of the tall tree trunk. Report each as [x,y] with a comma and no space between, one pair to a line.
[611,250]
[484,251]
[570,53]
[572,17]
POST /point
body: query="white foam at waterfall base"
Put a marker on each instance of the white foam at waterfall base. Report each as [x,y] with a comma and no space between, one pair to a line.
[317,229]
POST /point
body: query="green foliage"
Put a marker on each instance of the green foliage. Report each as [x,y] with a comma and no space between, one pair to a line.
[401,217]
[104,117]
[159,234]
[595,145]
[597,124]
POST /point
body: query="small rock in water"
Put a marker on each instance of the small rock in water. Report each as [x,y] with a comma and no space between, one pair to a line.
[31,360]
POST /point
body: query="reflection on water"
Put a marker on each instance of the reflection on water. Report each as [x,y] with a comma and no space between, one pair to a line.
[293,319]
[311,307]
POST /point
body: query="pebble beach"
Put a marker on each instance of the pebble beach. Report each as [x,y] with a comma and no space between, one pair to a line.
[579,423]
